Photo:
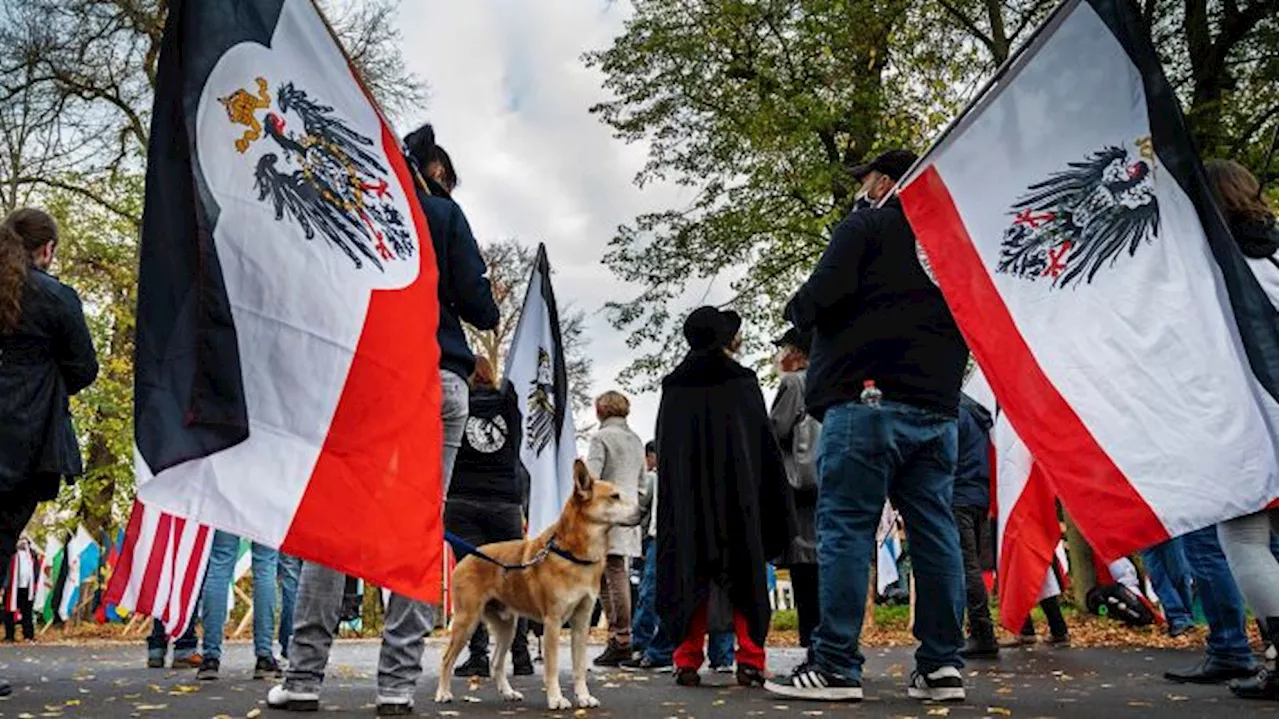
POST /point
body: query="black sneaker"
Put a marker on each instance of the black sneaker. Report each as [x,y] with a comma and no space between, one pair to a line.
[1262,686]
[208,670]
[267,668]
[749,676]
[613,656]
[980,648]
[477,665]
[521,664]
[688,678]
[645,664]
[812,682]
[155,662]
[940,685]
[5,688]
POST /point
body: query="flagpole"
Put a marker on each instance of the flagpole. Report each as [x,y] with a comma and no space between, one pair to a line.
[1266,165]
[983,92]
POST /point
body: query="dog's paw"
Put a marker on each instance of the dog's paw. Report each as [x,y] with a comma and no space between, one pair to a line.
[512,695]
[558,703]
[586,701]
[443,697]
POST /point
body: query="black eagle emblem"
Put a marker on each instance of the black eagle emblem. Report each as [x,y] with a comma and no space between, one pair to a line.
[1083,219]
[324,176]
[541,406]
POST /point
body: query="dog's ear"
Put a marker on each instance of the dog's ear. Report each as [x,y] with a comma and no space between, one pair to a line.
[582,480]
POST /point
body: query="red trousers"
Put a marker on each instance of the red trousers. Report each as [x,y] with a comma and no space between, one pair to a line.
[690,654]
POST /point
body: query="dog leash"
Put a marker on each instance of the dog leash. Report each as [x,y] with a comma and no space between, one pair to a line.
[462,548]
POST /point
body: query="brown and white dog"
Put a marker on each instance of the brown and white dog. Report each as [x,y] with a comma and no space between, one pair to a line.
[553,590]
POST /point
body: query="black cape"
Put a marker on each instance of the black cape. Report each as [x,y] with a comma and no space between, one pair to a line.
[722,503]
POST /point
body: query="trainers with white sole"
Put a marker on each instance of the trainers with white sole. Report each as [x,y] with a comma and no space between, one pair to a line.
[280,698]
[940,685]
[811,682]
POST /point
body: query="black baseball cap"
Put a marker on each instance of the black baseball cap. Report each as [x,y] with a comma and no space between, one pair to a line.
[894,164]
[794,338]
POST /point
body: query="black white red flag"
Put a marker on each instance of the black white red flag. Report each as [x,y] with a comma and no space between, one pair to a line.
[287,382]
[1068,222]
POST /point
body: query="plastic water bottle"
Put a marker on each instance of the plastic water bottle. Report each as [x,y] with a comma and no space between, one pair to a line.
[871,395]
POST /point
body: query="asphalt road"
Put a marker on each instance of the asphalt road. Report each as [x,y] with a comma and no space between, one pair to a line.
[111,681]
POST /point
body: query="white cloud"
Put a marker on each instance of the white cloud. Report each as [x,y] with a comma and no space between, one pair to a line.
[509,100]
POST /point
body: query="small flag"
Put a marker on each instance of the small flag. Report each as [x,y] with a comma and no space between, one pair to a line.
[1068,223]
[82,564]
[536,368]
[51,568]
[287,373]
[161,568]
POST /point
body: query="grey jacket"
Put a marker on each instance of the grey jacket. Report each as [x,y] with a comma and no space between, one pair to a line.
[617,456]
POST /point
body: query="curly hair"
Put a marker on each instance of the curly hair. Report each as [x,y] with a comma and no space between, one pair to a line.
[22,233]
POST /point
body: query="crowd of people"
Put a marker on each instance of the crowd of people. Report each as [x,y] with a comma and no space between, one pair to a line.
[869,409]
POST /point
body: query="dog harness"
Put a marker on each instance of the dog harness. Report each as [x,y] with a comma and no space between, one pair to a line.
[462,548]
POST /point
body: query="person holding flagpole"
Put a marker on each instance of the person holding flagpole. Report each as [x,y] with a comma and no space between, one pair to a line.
[465,296]
[884,379]
[1247,541]
[46,355]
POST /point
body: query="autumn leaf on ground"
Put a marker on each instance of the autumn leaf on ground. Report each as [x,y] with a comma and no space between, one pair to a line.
[999,710]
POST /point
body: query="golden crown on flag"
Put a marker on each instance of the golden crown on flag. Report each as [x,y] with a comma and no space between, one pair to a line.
[1145,148]
[241,105]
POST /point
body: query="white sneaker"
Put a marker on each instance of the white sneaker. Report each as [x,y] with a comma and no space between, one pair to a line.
[281,698]
[941,685]
[394,706]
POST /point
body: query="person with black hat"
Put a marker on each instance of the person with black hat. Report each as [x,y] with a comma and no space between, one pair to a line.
[798,433]
[723,508]
[884,379]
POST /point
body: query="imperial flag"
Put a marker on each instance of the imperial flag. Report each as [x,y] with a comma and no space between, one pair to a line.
[536,368]
[287,385]
[1069,224]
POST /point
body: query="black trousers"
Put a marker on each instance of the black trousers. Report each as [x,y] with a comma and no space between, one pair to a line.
[1052,612]
[28,621]
[974,527]
[484,523]
[804,586]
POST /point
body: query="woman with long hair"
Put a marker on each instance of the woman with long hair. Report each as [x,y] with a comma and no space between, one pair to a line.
[1247,540]
[46,355]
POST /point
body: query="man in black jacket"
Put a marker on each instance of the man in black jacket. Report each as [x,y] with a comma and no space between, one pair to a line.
[884,379]
[464,295]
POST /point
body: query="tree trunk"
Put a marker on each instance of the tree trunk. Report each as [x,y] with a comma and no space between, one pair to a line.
[1083,578]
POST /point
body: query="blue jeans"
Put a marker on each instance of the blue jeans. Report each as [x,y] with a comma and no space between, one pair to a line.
[908,455]
[289,568]
[217,582]
[720,649]
[183,647]
[644,620]
[1171,576]
[1219,598]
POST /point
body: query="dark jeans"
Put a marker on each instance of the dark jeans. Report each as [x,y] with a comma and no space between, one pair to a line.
[288,569]
[1171,577]
[644,620]
[482,523]
[1052,609]
[16,508]
[973,526]
[158,641]
[908,455]
[804,587]
[1219,598]
[28,621]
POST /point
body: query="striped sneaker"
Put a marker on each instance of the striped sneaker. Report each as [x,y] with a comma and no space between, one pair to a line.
[940,685]
[812,682]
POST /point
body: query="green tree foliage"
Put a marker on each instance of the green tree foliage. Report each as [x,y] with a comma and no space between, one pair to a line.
[760,107]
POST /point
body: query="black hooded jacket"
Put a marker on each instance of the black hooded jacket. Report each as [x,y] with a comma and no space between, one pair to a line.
[463,288]
[723,513]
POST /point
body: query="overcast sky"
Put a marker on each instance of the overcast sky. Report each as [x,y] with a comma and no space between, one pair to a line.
[509,100]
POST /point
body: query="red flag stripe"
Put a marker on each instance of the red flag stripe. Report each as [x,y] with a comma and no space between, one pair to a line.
[1107,509]
[155,563]
[192,578]
[1027,547]
[124,569]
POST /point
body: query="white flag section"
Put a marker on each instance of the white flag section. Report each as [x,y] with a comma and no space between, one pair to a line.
[82,559]
[1062,219]
[536,369]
